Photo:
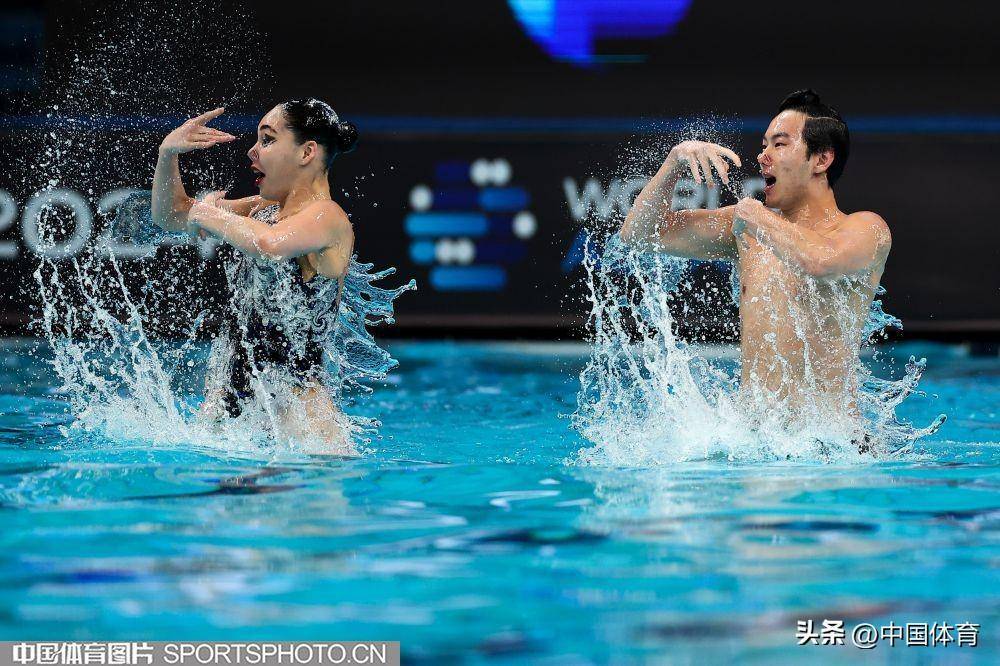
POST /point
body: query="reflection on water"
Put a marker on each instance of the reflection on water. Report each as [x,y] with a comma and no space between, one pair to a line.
[467,535]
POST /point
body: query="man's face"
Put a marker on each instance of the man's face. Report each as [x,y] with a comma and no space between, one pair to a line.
[783,162]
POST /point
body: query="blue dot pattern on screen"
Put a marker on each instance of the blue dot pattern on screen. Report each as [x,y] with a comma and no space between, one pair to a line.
[464,226]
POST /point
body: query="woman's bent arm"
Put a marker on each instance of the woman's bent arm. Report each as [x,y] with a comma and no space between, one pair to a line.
[170,203]
[314,229]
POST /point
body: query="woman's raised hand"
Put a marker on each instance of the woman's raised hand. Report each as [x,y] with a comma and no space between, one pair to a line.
[194,135]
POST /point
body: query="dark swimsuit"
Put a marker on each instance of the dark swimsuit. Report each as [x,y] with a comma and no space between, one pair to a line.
[271,347]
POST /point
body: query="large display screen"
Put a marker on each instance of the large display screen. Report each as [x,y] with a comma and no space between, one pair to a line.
[495,135]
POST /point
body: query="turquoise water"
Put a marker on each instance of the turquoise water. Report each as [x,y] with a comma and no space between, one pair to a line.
[469,533]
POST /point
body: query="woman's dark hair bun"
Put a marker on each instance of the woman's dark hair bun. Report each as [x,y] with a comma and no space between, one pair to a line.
[346,136]
[314,120]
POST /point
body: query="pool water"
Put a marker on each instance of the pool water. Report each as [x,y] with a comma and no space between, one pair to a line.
[470,534]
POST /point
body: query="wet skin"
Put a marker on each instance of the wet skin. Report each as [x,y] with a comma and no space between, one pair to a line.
[808,271]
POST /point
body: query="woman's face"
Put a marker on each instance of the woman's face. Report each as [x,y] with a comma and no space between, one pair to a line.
[276,158]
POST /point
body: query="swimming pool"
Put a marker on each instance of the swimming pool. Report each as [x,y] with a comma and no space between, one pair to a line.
[469,534]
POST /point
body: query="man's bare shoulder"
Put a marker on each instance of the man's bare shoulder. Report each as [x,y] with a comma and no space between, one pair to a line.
[873,227]
[868,222]
[866,219]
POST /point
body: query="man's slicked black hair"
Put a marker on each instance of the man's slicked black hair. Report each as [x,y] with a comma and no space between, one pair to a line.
[824,129]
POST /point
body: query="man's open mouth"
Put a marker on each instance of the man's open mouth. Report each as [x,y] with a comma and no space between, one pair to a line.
[258,175]
[769,182]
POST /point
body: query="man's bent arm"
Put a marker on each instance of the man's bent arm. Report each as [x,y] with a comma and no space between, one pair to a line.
[652,208]
[652,223]
[861,243]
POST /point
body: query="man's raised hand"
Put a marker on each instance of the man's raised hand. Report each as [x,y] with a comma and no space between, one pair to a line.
[701,157]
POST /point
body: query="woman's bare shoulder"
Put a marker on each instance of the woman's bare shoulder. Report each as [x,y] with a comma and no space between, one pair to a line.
[330,212]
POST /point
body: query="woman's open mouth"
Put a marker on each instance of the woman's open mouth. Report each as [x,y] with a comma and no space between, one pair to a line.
[259,175]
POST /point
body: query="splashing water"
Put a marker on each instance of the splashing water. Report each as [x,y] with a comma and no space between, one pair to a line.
[125,332]
[125,384]
[649,397]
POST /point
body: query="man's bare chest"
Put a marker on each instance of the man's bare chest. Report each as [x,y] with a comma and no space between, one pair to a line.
[776,295]
[766,281]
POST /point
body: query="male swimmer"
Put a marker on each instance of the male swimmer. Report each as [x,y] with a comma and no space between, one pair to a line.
[807,270]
